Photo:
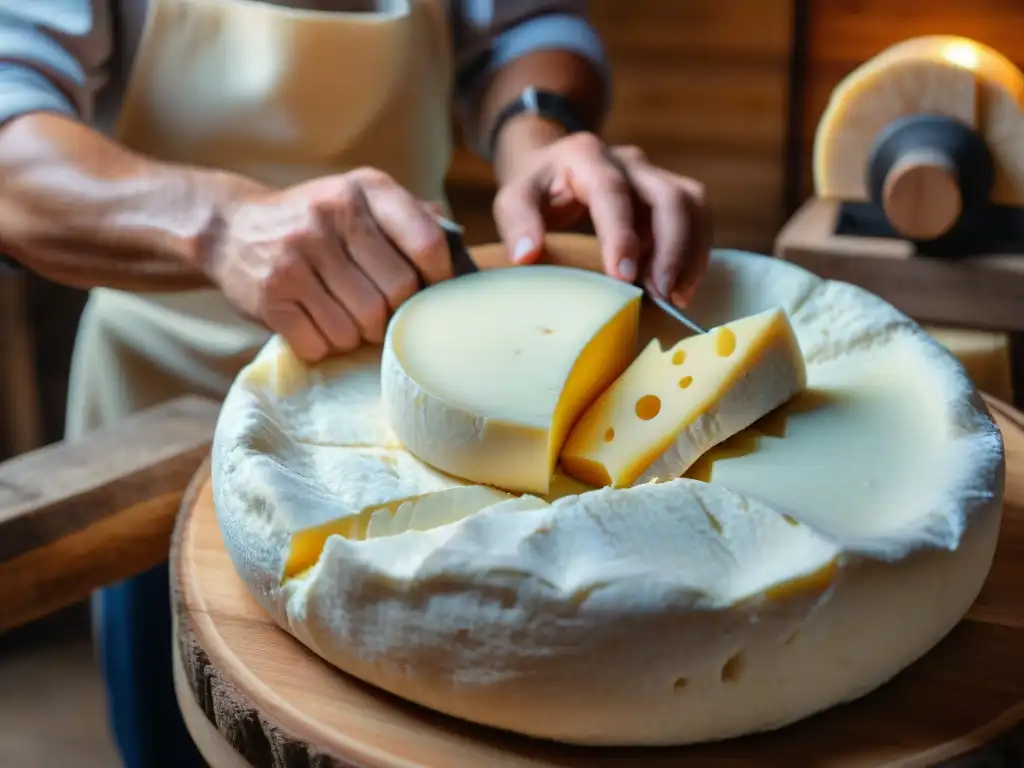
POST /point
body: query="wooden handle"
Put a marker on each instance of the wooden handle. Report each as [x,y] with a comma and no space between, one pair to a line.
[921,196]
[77,516]
[567,250]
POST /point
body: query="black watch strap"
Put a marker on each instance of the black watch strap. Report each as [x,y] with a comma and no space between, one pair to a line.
[545,104]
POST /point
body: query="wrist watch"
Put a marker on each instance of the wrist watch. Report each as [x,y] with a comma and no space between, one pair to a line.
[548,105]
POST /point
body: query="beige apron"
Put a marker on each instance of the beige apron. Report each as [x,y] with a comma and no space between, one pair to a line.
[282,95]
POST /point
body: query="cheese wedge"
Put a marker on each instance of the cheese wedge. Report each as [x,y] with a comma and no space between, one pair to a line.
[483,376]
[669,407]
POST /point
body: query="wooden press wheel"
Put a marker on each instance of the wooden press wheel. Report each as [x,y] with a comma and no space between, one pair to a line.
[252,695]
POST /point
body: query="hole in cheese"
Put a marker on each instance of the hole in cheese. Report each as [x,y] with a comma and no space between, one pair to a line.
[647,407]
[678,357]
[680,684]
[725,342]
[732,668]
[609,435]
[764,369]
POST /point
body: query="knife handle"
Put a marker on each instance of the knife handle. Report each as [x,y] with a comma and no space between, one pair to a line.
[462,262]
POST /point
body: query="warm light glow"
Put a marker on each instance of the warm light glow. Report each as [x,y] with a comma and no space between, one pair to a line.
[962,53]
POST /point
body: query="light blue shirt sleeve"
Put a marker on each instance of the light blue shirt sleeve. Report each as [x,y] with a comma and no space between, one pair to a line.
[489,34]
[51,56]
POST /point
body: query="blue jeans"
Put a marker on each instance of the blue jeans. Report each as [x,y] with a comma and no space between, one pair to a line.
[135,654]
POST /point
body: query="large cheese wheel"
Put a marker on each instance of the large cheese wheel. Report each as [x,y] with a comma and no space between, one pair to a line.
[939,74]
[836,541]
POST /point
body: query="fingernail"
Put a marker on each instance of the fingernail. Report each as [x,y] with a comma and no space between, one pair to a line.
[627,270]
[524,247]
[680,298]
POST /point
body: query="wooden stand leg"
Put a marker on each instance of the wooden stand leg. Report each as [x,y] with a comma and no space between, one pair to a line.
[1017,367]
[20,413]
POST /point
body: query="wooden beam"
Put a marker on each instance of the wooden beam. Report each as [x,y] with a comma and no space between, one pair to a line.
[76,516]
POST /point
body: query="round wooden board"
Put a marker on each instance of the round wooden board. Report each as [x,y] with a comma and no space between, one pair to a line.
[277,704]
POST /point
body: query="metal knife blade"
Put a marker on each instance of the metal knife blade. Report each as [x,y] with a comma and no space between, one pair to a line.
[670,310]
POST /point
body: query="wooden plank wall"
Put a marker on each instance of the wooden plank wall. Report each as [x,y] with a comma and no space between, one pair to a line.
[702,86]
[841,34]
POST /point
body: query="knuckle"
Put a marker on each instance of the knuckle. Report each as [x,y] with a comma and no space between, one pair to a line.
[284,271]
[430,251]
[369,176]
[344,201]
[613,181]
[402,289]
[307,232]
[346,338]
[308,348]
[633,153]
[506,200]
[698,193]
[587,142]
[675,196]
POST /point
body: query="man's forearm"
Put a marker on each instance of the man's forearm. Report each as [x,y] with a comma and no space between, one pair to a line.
[568,74]
[83,211]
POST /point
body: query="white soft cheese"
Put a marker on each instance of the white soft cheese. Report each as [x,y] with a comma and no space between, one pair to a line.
[838,540]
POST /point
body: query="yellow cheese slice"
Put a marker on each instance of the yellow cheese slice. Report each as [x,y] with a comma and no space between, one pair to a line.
[418,513]
[483,376]
[671,406]
[985,355]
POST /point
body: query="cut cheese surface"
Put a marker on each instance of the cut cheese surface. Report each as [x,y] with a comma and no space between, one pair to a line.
[484,375]
[851,488]
[801,563]
[415,513]
[670,406]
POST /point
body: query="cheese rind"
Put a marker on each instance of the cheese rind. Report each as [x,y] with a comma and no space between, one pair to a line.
[705,389]
[483,376]
[839,539]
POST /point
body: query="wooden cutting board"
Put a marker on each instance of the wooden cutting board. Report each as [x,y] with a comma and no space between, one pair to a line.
[254,696]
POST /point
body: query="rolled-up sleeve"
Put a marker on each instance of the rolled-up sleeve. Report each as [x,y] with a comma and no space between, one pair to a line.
[52,56]
[490,34]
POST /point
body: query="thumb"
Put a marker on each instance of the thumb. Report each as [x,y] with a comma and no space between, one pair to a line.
[520,223]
